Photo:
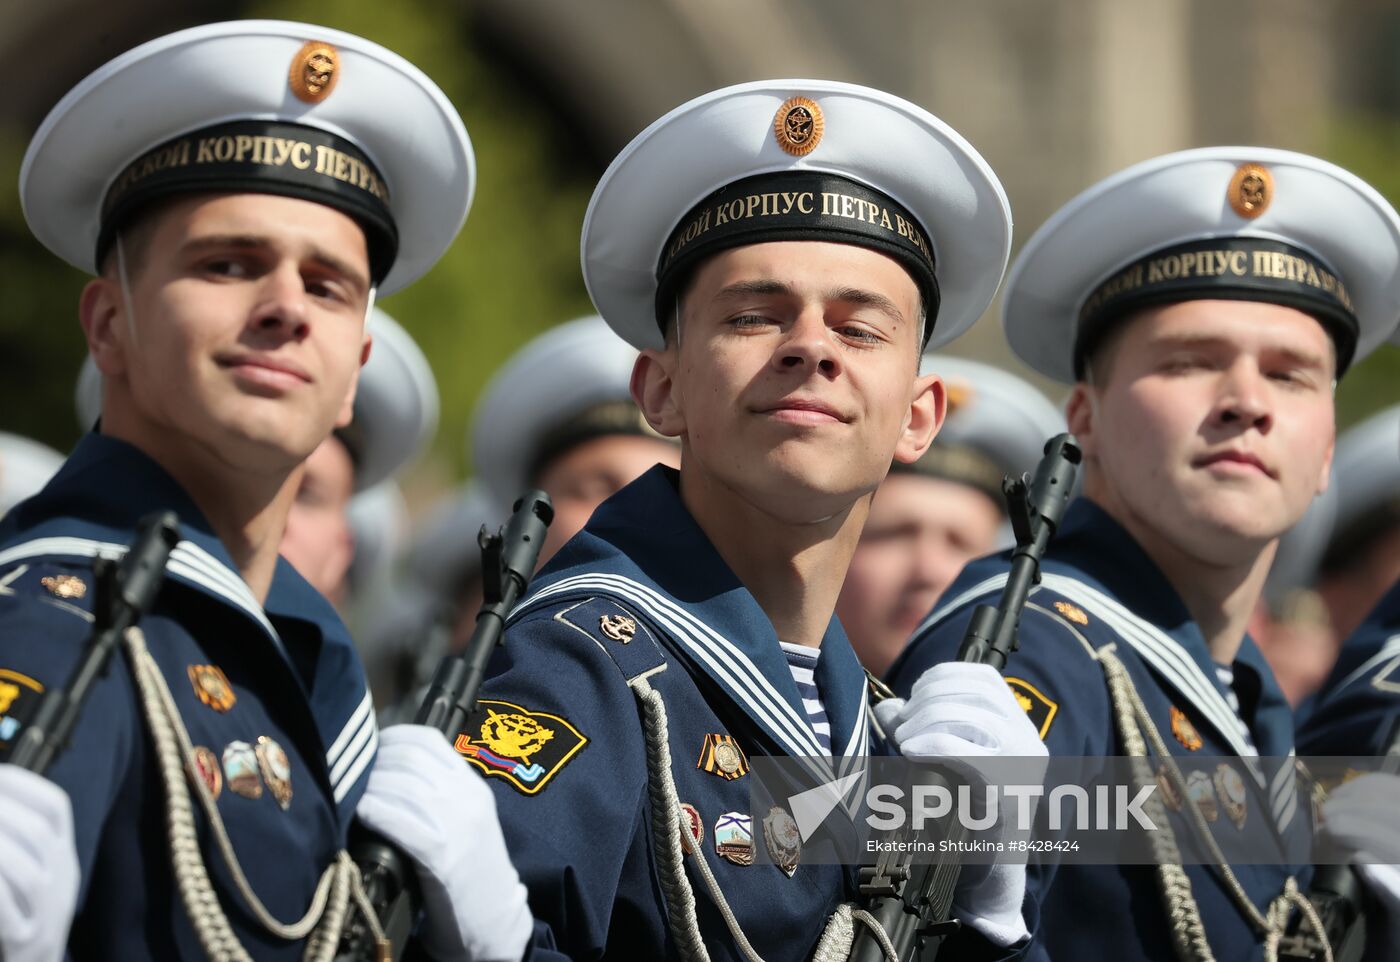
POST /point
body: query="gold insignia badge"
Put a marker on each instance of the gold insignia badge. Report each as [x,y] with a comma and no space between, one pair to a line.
[1073,612]
[65,586]
[526,748]
[212,686]
[15,691]
[1184,731]
[798,126]
[618,627]
[1251,190]
[314,72]
[1038,708]
[721,755]
[276,770]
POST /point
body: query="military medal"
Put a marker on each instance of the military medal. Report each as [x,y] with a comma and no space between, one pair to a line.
[722,756]
[276,770]
[205,766]
[1202,795]
[1170,796]
[212,686]
[1184,731]
[734,838]
[241,770]
[1229,787]
[694,835]
[783,840]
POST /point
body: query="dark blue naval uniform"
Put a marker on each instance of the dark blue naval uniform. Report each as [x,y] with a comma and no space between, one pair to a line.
[1098,589]
[285,673]
[641,593]
[1357,711]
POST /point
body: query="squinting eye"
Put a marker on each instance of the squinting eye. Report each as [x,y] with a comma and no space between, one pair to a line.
[858,333]
[226,268]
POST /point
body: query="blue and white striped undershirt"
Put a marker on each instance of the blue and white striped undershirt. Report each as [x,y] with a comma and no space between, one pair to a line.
[802,662]
[1226,674]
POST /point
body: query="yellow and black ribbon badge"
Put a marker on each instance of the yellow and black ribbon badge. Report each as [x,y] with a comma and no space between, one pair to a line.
[722,756]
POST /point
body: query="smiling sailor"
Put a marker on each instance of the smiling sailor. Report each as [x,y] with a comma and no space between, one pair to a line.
[241,191]
[799,243]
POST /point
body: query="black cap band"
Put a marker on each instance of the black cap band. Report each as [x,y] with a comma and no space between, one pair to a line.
[796,205]
[264,157]
[960,464]
[1224,268]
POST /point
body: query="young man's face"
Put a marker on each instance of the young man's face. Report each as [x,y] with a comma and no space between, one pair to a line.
[1213,425]
[317,540]
[244,334]
[920,533]
[587,474]
[795,380]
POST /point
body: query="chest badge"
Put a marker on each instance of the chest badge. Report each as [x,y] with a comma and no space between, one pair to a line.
[212,686]
[1184,731]
[618,627]
[734,838]
[276,770]
[1202,795]
[204,765]
[241,770]
[721,755]
[783,840]
[694,835]
[1229,788]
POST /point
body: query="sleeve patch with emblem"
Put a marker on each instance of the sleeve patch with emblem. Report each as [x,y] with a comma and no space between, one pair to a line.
[17,693]
[1038,708]
[526,748]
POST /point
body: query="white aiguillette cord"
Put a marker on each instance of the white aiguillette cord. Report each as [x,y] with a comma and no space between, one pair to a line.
[671,830]
[175,753]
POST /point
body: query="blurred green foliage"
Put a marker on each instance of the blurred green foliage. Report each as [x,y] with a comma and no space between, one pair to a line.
[512,272]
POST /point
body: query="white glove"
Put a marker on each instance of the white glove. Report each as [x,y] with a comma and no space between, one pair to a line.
[1359,815]
[422,796]
[957,711]
[38,867]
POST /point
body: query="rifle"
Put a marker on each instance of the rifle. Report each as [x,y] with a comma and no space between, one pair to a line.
[913,902]
[508,560]
[125,592]
[1337,894]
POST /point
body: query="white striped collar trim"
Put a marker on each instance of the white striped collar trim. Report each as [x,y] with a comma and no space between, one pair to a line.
[188,562]
[725,660]
[1153,645]
[1390,649]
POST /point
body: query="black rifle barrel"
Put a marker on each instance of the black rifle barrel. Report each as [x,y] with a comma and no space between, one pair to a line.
[509,559]
[125,591]
[914,901]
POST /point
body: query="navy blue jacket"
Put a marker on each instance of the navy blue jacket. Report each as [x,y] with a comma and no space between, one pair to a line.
[1357,711]
[641,592]
[1099,588]
[239,671]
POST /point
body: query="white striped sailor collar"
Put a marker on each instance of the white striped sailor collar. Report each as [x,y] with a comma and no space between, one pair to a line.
[91,507]
[643,547]
[1094,563]
[1378,635]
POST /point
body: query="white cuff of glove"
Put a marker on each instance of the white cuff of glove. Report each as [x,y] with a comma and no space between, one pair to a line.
[994,906]
[38,867]
[422,796]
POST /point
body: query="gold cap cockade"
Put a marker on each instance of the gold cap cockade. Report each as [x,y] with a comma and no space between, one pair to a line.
[1251,190]
[314,72]
[798,126]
